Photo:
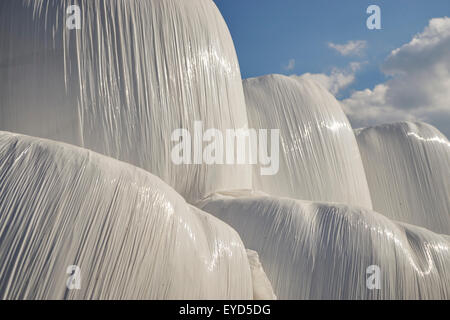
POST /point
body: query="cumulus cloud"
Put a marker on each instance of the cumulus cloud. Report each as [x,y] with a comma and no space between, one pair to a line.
[290,66]
[419,84]
[356,47]
[337,80]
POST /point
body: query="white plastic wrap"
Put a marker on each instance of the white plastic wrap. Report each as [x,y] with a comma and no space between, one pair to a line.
[135,71]
[323,251]
[319,156]
[131,235]
[408,171]
[262,288]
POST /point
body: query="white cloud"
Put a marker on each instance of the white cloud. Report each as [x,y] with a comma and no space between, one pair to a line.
[290,66]
[356,47]
[337,80]
[419,88]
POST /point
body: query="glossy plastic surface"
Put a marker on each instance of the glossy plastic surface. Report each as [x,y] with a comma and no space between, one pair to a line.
[327,251]
[131,235]
[136,71]
[408,170]
[319,156]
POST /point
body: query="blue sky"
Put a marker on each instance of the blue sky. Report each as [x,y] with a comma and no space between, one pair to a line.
[373,85]
[268,33]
